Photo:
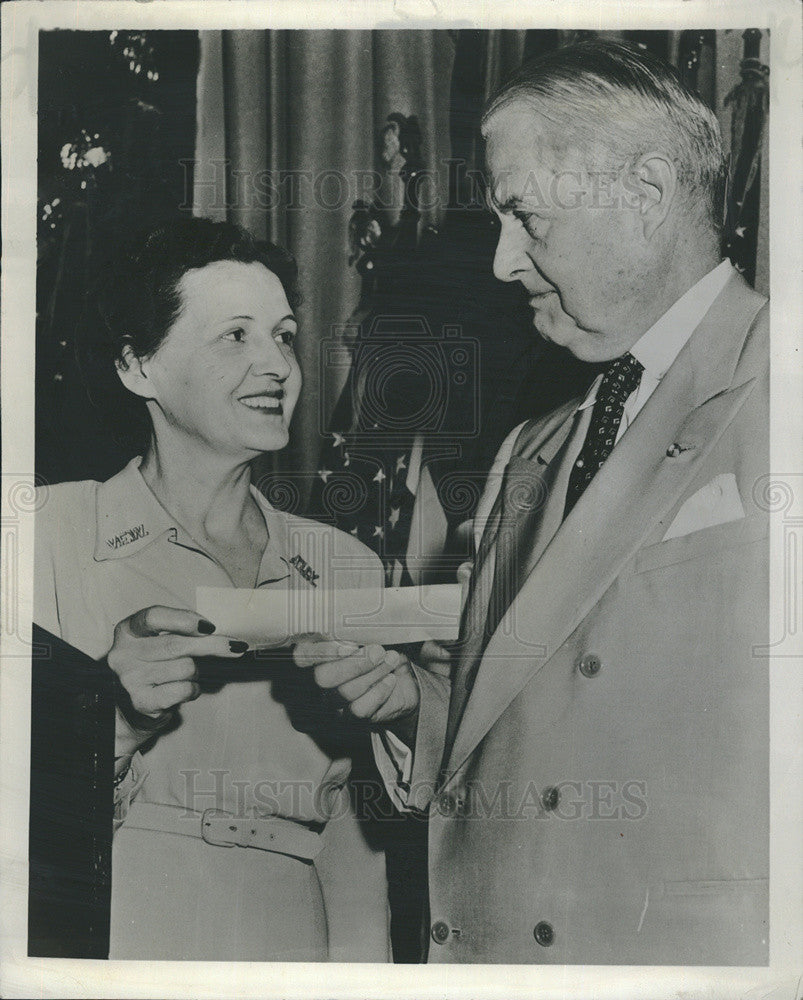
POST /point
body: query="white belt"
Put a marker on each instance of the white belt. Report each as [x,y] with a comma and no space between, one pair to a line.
[223,829]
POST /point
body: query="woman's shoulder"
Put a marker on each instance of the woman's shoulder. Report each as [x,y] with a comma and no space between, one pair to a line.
[342,543]
[78,493]
[59,497]
[75,499]
[335,559]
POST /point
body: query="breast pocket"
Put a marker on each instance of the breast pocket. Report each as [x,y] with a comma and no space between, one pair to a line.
[705,543]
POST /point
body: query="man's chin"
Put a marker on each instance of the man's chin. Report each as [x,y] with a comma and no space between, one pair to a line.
[558,333]
[579,342]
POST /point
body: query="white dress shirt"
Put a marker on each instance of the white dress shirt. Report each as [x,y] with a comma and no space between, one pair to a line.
[660,345]
[656,350]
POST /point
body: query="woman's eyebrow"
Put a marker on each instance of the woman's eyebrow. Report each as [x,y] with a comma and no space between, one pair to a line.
[289,316]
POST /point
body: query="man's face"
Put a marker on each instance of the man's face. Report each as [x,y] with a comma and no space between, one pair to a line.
[569,237]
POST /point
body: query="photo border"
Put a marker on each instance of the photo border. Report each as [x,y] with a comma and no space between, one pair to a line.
[21,976]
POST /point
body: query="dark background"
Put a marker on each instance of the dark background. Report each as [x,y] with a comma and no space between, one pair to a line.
[87,85]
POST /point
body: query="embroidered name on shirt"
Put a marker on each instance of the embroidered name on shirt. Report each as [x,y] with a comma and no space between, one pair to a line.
[305,570]
[126,537]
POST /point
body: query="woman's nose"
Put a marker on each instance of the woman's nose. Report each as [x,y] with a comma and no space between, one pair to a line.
[511,259]
[272,358]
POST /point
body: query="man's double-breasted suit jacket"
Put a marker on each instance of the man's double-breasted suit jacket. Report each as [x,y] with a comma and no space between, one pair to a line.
[598,790]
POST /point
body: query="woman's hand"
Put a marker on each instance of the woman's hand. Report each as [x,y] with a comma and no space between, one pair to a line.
[377,683]
[153,656]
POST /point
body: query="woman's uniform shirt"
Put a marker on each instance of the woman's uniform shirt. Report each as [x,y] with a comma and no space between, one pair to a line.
[105,551]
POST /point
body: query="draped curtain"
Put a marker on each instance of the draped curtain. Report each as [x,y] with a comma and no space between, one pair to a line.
[287,125]
[286,141]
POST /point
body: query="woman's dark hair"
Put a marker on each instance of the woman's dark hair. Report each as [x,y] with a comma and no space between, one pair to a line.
[136,299]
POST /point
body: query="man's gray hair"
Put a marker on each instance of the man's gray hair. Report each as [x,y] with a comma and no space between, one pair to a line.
[617,100]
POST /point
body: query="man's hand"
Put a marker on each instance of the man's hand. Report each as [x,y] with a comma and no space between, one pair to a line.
[377,683]
[436,658]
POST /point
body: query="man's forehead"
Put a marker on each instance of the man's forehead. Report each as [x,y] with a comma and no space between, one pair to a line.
[520,186]
[520,144]
[526,157]
[516,124]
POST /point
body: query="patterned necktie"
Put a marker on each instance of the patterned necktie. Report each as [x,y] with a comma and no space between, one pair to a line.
[621,378]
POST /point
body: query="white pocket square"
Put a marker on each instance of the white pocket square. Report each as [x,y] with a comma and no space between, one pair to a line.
[715,503]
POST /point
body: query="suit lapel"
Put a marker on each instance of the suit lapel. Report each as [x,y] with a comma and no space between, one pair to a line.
[546,451]
[638,484]
[560,466]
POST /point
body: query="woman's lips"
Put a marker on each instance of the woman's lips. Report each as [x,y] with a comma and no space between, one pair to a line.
[266,402]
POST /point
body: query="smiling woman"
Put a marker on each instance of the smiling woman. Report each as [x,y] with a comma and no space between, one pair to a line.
[185,277]
[230,348]
[213,749]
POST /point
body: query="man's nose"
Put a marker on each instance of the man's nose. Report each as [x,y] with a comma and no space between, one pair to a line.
[511,259]
[271,358]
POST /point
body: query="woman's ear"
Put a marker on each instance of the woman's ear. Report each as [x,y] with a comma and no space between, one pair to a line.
[132,373]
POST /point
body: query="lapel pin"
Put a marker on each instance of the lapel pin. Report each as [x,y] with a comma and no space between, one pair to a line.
[676,449]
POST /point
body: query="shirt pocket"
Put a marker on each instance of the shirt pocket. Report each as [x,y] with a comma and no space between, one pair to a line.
[706,542]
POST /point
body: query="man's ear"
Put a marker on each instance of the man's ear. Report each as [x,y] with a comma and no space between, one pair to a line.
[133,373]
[654,181]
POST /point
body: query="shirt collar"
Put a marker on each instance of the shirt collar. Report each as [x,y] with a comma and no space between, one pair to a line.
[275,565]
[130,518]
[660,345]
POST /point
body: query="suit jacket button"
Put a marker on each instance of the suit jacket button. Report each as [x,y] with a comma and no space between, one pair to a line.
[440,932]
[550,797]
[589,665]
[445,804]
[544,933]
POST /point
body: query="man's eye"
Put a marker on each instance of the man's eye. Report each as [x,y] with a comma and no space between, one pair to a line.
[532,223]
[285,337]
[237,335]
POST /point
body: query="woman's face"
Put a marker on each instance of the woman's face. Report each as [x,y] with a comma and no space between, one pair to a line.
[226,372]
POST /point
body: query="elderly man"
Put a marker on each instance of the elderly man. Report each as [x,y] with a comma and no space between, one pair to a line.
[596,771]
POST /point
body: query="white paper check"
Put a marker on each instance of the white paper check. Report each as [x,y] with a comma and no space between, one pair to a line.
[389,617]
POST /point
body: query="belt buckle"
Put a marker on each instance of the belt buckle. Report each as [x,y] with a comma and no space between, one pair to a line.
[222,829]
